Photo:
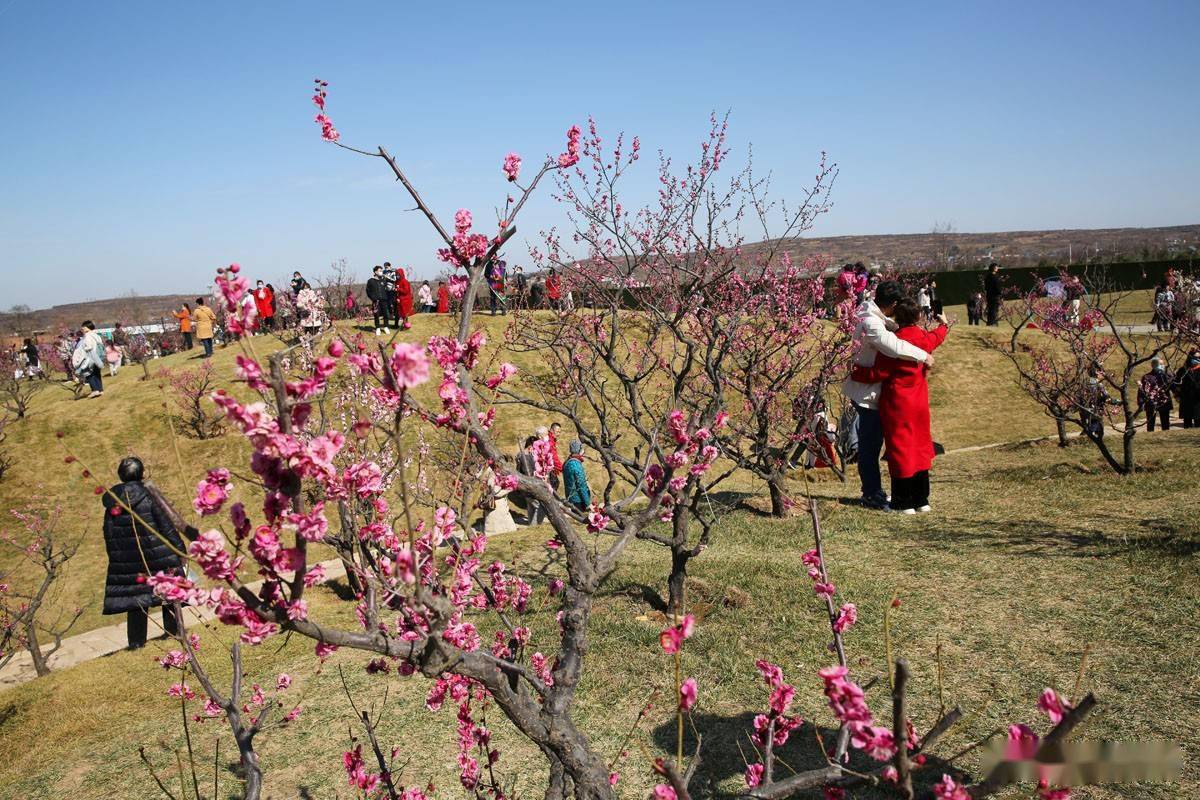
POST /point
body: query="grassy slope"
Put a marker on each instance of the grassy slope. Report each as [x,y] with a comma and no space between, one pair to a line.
[1031,555]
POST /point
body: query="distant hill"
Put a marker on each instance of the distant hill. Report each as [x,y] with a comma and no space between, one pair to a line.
[933,251]
[952,250]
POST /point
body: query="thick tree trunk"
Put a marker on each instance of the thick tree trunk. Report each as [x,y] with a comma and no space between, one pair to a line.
[680,556]
[1061,425]
[1127,448]
[779,500]
[35,650]
[251,771]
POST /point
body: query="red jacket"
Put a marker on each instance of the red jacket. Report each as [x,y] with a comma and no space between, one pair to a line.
[404,297]
[904,403]
[558,464]
[263,301]
[443,306]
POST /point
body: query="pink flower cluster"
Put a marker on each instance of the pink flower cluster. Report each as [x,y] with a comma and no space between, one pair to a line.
[776,722]
[233,289]
[328,132]
[848,703]
[948,789]
[571,157]
[512,166]
[672,639]
[820,586]
[467,246]
[211,492]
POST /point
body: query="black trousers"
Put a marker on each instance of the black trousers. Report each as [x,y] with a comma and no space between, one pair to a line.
[1189,410]
[379,309]
[135,626]
[911,492]
[187,340]
[390,311]
[1163,414]
[993,311]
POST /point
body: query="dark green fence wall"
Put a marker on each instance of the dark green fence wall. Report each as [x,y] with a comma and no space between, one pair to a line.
[954,288]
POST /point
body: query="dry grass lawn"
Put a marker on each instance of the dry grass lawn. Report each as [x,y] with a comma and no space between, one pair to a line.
[1032,555]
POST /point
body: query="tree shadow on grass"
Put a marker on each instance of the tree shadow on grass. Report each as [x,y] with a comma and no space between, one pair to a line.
[726,739]
[1057,538]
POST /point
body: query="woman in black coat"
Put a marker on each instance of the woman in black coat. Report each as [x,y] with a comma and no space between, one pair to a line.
[134,551]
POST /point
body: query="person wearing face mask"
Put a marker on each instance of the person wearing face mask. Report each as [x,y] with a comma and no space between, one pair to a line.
[1187,389]
[1154,395]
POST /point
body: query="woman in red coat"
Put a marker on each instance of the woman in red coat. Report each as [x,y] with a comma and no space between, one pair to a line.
[443,295]
[264,302]
[904,410]
[404,299]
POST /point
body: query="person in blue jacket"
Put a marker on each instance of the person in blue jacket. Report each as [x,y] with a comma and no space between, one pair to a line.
[575,479]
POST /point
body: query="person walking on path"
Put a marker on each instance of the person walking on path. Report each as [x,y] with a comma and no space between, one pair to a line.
[904,409]
[88,358]
[443,298]
[264,303]
[873,335]
[1154,395]
[425,298]
[184,315]
[1187,388]
[205,320]
[141,541]
[404,300]
[575,484]
[991,289]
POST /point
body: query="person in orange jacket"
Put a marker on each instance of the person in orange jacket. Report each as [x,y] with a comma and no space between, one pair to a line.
[184,315]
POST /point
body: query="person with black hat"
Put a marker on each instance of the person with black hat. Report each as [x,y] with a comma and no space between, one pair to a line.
[141,541]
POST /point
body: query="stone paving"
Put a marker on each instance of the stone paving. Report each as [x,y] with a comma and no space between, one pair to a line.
[111,638]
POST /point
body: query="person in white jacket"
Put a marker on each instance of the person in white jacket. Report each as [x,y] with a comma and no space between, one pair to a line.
[873,334]
[88,358]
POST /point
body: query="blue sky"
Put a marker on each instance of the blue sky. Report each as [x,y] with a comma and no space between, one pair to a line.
[149,142]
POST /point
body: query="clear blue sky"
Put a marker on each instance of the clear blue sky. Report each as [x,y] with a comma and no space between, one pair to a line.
[148,142]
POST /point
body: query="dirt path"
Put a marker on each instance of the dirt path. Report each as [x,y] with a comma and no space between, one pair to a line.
[110,639]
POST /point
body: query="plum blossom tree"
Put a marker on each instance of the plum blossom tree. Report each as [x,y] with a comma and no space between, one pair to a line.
[25,622]
[784,350]
[247,717]
[430,598]
[1082,365]
[188,394]
[642,369]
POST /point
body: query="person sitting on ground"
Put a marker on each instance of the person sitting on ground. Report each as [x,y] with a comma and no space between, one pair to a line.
[575,483]
[141,541]
[1154,395]
[904,409]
